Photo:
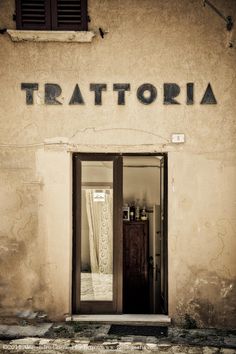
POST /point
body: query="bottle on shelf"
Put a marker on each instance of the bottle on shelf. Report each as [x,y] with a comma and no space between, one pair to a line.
[132,211]
[137,211]
[143,213]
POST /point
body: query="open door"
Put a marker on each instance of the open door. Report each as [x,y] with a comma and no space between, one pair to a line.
[164,233]
[111,254]
[145,238]
[97,234]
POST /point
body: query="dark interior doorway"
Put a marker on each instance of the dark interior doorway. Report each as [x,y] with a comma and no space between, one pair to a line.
[144,247]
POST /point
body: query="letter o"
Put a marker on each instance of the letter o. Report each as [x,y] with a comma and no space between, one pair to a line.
[147,87]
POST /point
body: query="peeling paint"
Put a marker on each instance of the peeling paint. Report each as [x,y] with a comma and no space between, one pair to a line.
[211,300]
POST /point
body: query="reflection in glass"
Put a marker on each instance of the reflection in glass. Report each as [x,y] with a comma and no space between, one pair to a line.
[97,231]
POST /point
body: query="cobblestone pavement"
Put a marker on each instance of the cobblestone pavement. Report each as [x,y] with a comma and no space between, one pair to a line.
[38,345]
[94,338]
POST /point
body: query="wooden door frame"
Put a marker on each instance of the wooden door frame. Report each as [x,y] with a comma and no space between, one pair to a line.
[117,225]
[164,185]
[114,306]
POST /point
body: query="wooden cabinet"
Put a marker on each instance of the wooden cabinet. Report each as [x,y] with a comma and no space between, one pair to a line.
[135,267]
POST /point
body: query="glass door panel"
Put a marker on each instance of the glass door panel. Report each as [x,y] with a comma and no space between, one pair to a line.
[96,231]
[97,234]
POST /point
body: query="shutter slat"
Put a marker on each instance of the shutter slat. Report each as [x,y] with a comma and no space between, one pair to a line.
[33,6]
[34,21]
[36,11]
[69,6]
[69,14]
[34,14]
[72,8]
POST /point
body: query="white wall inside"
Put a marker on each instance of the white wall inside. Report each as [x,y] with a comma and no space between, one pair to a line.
[141,180]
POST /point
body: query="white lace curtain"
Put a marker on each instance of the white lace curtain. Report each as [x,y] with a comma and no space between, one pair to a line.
[100,220]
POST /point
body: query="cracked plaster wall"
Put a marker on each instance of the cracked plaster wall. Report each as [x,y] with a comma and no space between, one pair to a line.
[148,41]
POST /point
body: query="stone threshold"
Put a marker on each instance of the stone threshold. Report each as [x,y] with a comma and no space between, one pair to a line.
[51,36]
[139,319]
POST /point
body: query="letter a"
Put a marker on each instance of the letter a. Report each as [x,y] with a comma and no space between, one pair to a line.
[76,98]
[209,97]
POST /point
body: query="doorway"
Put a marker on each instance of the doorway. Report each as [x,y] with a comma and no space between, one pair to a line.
[116,252]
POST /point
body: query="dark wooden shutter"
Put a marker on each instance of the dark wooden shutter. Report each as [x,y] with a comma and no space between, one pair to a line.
[33,14]
[51,15]
[69,15]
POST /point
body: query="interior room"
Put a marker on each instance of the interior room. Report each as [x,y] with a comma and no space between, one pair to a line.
[141,233]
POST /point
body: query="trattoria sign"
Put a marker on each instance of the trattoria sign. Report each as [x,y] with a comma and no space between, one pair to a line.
[146,93]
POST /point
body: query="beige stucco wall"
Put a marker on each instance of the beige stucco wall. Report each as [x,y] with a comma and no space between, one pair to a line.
[148,41]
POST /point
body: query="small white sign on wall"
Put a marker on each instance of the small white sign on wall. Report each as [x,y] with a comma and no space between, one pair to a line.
[99,196]
[177,138]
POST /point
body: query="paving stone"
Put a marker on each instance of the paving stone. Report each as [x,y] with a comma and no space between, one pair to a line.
[25,341]
[194,350]
[110,345]
[164,345]
[45,341]
[127,339]
[103,330]
[2,344]
[57,326]
[138,345]
[125,344]
[210,350]
[230,341]
[81,346]
[227,351]
[184,349]
[152,339]
[81,341]
[61,342]
[97,340]
[176,349]
[165,350]
[140,339]
[151,346]
[24,331]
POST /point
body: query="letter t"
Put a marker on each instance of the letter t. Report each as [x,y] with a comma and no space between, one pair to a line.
[29,88]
